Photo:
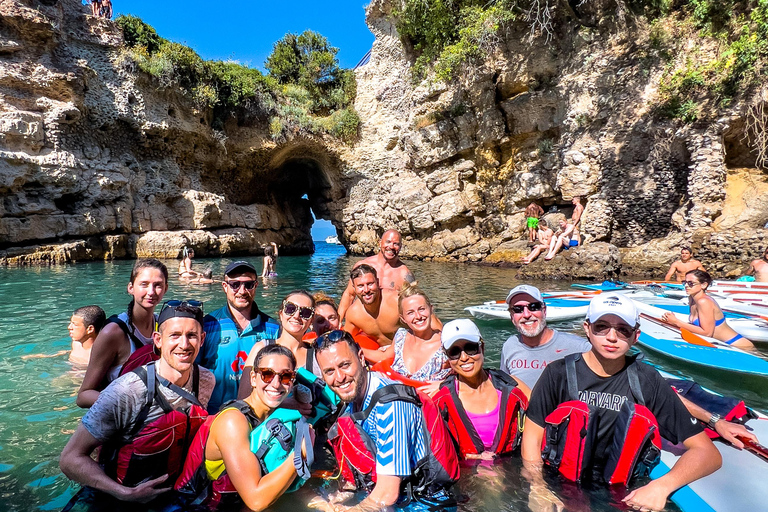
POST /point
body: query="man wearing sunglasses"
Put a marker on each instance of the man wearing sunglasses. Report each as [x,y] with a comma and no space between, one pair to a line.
[526,354]
[759,268]
[233,330]
[607,380]
[131,418]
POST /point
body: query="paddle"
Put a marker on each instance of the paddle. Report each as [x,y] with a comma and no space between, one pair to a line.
[688,336]
[756,448]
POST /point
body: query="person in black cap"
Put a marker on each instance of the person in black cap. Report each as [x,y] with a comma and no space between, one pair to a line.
[232,331]
[131,419]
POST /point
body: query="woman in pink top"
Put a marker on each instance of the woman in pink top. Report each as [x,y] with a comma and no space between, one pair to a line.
[484,407]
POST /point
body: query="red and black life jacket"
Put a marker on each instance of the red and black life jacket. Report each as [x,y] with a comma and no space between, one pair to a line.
[157,448]
[512,408]
[356,453]
[142,354]
[729,408]
[194,485]
[571,434]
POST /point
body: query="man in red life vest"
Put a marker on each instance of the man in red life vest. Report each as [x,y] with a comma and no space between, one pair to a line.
[606,389]
[135,413]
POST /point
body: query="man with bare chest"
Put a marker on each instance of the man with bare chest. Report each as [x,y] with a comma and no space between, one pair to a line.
[685,264]
[759,268]
[391,272]
[374,315]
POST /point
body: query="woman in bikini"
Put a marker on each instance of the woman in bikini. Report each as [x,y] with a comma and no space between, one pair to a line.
[706,317]
[122,336]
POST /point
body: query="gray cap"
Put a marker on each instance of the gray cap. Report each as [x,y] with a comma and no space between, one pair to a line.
[461,329]
[524,289]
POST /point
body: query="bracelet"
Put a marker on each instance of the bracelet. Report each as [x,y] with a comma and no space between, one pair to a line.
[713,420]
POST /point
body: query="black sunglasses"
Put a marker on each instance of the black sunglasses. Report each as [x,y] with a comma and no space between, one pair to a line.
[194,307]
[332,337]
[268,374]
[623,331]
[469,348]
[305,313]
[235,285]
[689,284]
[532,307]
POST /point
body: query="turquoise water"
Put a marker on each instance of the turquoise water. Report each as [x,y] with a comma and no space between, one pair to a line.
[38,405]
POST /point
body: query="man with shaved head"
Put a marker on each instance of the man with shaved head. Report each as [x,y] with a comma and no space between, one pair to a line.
[391,272]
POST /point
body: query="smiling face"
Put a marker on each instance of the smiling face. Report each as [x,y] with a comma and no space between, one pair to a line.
[467,366]
[611,337]
[390,245]
[343,370]
[294,324]
[241,298]
[148,288]
[416,313]
[528,323]
[272,393]
[179,340]
[367,288]
[326,319]
[685,255]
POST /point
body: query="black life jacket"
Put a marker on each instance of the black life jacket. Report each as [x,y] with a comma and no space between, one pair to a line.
[356,453]
[512,406]
[571,434]
[157,448]
[194,485]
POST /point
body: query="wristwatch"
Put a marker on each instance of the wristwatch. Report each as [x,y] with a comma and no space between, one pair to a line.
[713,419]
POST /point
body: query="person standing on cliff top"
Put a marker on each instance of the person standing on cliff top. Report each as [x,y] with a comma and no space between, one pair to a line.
[391,272]
[685,264]
[532,213]
[759,268]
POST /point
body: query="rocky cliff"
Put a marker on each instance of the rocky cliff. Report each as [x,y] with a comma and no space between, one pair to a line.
[97,161]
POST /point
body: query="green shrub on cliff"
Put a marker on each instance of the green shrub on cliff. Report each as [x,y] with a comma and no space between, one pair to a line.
[306,89]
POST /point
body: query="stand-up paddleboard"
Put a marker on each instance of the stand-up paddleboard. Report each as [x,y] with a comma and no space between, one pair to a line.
[743,285]
[557,309]
[754,329]
[740,484]
[668,341]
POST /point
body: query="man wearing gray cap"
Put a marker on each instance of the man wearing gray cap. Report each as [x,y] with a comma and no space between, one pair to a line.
[526,354]
[232,331]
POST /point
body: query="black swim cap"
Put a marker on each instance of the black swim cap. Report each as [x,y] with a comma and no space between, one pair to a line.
[181,309]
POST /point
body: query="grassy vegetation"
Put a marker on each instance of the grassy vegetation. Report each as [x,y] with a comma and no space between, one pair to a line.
[305,90]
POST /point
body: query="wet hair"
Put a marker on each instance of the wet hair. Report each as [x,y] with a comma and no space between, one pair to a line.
[274,349]
[269,251]
[686,248]
[137,268]
[187,252]
[701,275]
[331,338]
[361,270]
[92,315]
[322,299]
[208,274]
[410,290]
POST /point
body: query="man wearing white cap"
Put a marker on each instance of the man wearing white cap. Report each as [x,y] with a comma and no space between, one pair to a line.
[610,384]
[526,354]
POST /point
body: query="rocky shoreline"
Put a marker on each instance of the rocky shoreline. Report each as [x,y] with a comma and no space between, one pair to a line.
[99,162]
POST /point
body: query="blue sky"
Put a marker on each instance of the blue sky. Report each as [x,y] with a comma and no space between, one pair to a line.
[245,31]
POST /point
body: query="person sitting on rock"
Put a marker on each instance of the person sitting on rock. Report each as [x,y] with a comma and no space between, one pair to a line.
[545,238]
[532,213]
[566,237]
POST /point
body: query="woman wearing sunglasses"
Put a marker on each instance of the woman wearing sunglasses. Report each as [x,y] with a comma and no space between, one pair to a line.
[221,464]
[295,315]
[127,332]
[706,317]
[484,408]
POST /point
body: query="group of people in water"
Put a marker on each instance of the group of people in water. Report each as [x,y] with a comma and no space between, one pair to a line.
[194,410]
